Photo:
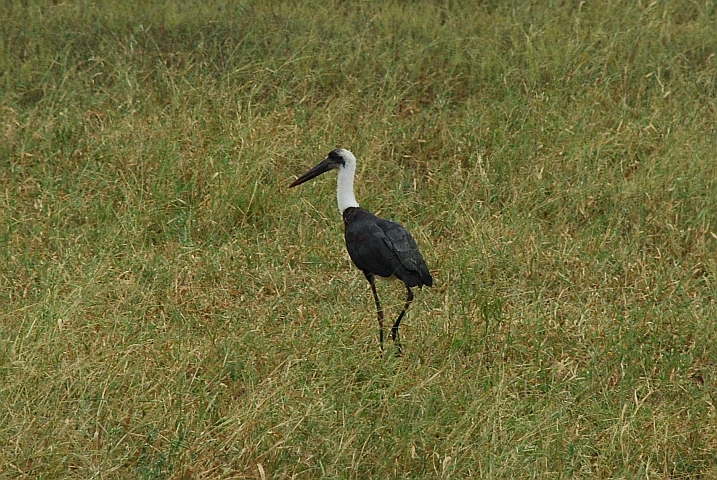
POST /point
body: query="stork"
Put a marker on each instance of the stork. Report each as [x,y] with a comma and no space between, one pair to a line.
[376,246]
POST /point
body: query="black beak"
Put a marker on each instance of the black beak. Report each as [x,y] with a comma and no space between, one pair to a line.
[322,167]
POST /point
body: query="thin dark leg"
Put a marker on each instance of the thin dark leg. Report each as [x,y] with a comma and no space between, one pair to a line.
[394,329]
[379,310]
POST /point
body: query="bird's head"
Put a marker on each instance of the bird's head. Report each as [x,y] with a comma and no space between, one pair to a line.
[336,159]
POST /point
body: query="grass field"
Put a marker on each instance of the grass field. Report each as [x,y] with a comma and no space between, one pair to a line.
[169,309]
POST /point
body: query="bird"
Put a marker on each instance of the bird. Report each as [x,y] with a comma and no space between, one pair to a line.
[377,247]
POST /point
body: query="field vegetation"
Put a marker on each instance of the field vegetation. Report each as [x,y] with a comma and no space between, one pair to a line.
[169,309]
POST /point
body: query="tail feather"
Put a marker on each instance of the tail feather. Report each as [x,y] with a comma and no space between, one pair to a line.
[415,278]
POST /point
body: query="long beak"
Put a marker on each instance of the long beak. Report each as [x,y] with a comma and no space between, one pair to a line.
[322,167]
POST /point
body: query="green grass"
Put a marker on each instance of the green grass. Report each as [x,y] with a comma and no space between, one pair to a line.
[171,310]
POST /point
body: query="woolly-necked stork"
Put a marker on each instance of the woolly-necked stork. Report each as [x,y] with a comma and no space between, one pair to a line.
[376,246]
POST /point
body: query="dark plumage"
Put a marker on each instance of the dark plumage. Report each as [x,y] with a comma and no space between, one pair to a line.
[384,248]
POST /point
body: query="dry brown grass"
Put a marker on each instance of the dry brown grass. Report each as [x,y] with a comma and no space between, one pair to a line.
[170,310]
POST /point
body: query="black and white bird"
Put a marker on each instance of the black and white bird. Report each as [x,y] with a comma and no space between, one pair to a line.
[376,246]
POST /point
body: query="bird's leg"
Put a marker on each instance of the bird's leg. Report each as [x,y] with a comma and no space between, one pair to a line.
[379,310]
[394,329]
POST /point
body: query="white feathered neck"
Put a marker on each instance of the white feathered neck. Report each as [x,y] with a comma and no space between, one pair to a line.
[345,184]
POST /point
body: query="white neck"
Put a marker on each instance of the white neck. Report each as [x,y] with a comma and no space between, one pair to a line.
[345,187]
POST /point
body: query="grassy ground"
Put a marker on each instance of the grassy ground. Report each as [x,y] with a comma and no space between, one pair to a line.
[171,310]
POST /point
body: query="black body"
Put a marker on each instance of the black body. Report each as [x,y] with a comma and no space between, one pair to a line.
[384,248]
